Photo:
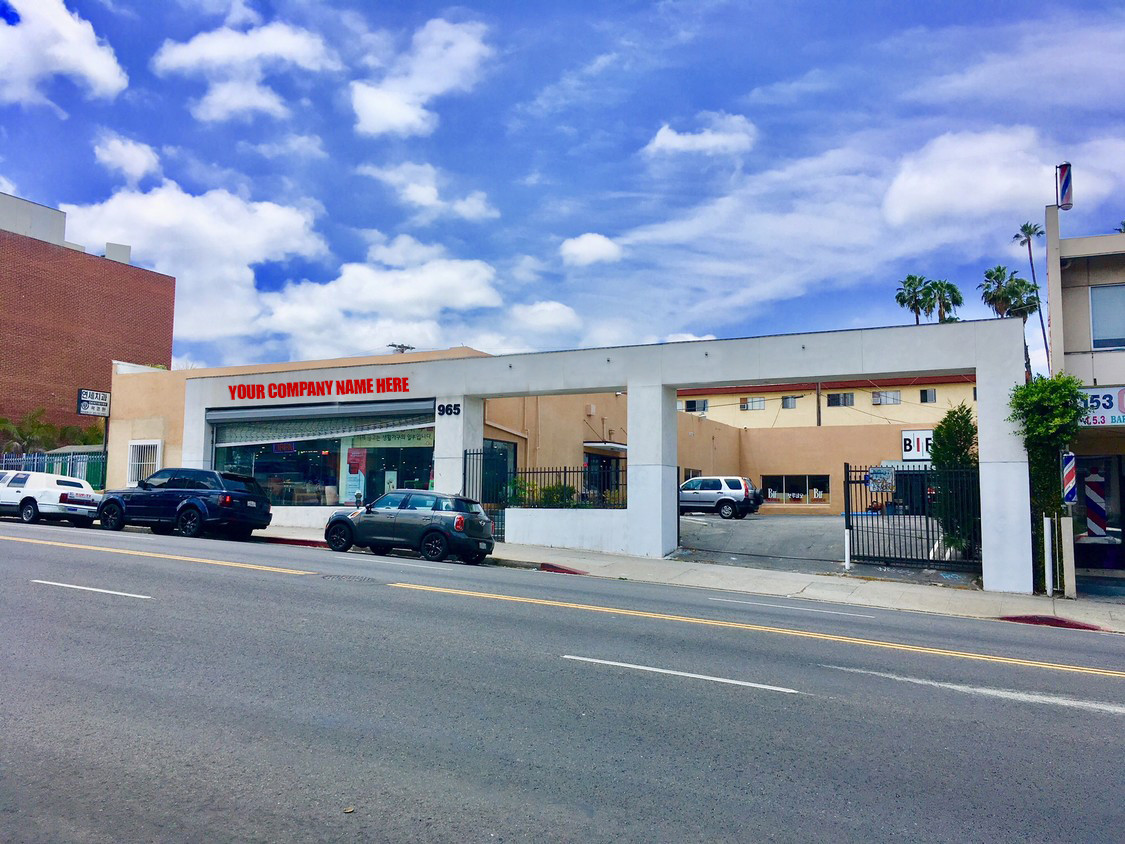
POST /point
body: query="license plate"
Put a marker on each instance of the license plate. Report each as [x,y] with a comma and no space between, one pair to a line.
[251,503]
[483,545]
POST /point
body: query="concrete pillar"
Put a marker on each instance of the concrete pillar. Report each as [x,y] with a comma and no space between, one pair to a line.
[1054,291]
[1005,493]
[458,427]
[653,513]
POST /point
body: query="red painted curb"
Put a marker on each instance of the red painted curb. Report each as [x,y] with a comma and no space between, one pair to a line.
[557,569]
[285,540]
[1051,621]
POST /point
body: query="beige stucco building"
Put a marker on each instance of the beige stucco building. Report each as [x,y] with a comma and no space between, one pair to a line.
[1086,293]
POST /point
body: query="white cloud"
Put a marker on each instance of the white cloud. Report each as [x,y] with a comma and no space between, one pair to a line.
[527,269]
[727,134]
[8,186]
[133,159]
[444,57]
[546,317]
[789,91]
[291,146]
[50,41]
[417,185]
[235,63]
[403,251]
[962,173]
[684,337]
[589,248]
[190,237]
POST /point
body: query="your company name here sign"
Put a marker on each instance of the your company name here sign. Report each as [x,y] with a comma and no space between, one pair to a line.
[328,387]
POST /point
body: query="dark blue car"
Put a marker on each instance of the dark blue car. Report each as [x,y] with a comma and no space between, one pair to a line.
[189,501]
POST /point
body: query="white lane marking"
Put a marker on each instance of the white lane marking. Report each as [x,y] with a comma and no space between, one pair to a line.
[92,589]
[787,607]
[685,674]
[412,565]
[1005,694]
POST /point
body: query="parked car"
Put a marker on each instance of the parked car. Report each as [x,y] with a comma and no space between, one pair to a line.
[41,495]
[433,523]
[756,493]
[189,501]
[730,497]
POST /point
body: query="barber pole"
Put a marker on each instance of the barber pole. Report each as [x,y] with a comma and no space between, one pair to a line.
[1064,192]
[1095,505]
[1069,479]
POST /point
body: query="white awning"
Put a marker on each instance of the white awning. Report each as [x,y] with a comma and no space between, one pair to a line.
[606,446]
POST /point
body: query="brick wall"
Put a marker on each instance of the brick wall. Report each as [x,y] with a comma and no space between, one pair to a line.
[64,315]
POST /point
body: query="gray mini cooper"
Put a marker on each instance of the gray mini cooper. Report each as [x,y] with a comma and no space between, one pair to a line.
[434,524]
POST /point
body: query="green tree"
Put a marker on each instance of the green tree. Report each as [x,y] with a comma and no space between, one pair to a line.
[995,290]
[1121,228]
[955,440]
[942,296]
[30,434]
[910,295]
[1025,236]
[1047,411]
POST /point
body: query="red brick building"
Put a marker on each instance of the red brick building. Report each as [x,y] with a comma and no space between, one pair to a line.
[65,315]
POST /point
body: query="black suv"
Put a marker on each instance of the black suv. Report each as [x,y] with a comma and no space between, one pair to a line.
[432,523]
[189,501]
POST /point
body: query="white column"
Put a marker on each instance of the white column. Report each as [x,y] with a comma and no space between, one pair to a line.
[1005,494]
[653,513]
[1054,291]
[458,426]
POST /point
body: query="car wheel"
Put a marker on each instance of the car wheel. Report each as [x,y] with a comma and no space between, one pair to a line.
[434,547]
[741,514]
[726,510]
[189,522]
[161,530]
[29,512]
[338,536]
[112,517]
[475,559]
[81,523]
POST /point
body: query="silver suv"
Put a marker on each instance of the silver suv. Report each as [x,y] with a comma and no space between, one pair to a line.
[729,496]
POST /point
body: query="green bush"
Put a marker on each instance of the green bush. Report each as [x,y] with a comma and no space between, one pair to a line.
[557,496]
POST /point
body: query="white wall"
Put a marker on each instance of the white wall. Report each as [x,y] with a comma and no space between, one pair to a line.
[588,530]
[302,517]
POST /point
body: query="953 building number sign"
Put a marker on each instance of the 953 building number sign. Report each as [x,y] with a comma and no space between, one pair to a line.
[1104,406]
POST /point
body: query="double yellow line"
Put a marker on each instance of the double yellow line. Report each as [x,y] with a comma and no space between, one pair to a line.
[784,631]
[127,552]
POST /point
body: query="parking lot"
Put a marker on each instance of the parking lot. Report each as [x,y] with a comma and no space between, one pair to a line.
[807,544]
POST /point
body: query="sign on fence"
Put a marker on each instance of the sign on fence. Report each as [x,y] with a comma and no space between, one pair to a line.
[881,479]
[93,403]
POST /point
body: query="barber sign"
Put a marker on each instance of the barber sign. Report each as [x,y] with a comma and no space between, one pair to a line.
[1069,479]
[916,444]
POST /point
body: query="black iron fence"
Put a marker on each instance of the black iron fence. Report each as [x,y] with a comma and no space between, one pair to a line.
[89,466]
[570,486]
[926,518]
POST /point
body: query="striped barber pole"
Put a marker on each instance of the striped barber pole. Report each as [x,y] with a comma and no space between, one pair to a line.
[1095,505]
[1069,479]
[1065,188]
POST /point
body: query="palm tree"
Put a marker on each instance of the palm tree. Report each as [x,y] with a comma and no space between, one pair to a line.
[994,289]
[30,434]
[1121,228]
[944,297]
[1027,233]
[910,295]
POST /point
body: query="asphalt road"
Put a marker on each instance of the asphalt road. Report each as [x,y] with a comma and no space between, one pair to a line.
[253,692]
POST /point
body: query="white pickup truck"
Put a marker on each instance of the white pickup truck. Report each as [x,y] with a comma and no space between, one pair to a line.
[40,495]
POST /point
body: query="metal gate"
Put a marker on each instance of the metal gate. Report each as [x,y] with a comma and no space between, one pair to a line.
[926,518]
[489,480]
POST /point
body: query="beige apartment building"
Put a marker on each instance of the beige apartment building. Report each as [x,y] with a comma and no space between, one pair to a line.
[1086,293]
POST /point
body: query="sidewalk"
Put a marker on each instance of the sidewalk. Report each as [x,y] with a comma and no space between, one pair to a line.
[859,591]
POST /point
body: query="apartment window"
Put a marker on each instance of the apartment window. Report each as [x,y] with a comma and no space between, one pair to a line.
[841,399]
[789,402]
[144,459]
[752,403]
[695,405]
[886,397]
[928,396]
[679,405]
[1107,315]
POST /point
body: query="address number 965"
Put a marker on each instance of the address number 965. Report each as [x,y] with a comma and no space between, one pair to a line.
[449,409]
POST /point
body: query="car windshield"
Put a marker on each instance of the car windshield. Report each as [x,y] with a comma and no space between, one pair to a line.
[241,483]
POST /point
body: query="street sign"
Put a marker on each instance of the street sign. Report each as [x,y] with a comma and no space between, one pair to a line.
[93,403]
[1069,479]
[916,444]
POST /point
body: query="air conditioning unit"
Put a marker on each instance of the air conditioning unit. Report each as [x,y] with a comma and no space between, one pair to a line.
[876,398]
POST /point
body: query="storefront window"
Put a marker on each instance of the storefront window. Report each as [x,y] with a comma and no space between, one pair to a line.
[795,489]
[1097,512]
[304,472]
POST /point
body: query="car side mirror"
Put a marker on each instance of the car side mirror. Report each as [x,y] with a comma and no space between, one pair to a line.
[367,508]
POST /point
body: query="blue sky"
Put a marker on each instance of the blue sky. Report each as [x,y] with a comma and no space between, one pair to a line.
[325,178]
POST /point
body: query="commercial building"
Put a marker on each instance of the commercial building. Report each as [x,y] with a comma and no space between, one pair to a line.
[320,431]
[65,315]
[1086,292]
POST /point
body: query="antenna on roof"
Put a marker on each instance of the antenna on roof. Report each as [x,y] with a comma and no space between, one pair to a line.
[400,348]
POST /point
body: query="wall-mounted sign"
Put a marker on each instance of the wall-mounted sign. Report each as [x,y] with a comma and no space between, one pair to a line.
[93,403]
[1105,407]
[881,479]
[916,444]
[330,387]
